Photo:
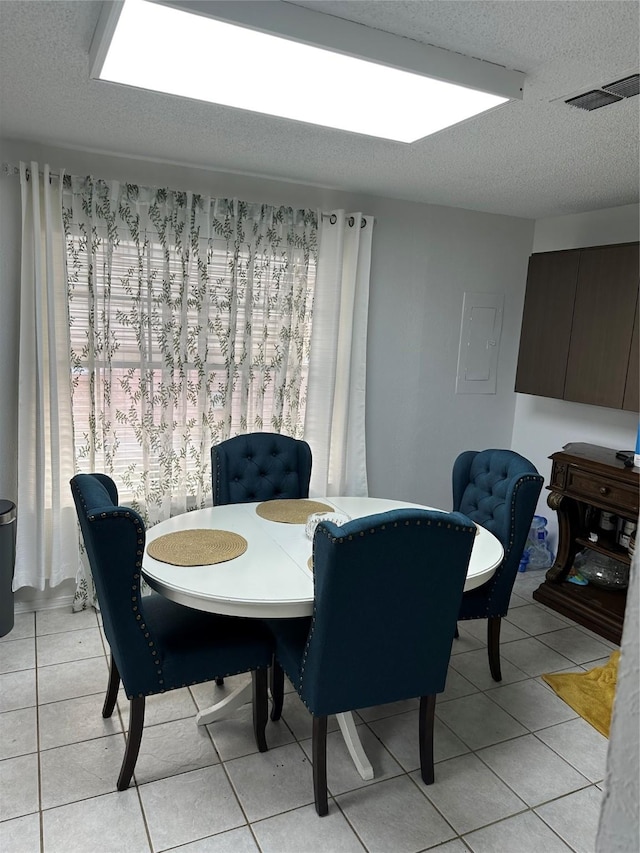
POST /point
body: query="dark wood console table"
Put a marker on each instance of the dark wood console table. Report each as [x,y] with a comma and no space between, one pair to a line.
[585,479]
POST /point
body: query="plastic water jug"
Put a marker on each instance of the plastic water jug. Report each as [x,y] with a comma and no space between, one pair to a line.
[537,548]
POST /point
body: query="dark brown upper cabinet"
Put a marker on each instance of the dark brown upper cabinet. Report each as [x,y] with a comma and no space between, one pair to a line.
[579,338]
[631,400]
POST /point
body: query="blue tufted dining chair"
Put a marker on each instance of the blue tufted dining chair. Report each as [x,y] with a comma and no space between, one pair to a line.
[498,489]
[260,466]
[403,569]
[157,645]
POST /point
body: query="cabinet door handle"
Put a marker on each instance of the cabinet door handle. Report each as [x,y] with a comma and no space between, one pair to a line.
[604,490]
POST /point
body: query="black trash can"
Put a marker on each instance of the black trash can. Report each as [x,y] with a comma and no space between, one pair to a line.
[7,563]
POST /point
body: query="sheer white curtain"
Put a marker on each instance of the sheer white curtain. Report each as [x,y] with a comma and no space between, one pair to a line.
[47,549]
[335,414]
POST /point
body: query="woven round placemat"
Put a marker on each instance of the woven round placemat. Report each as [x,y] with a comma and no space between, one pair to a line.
[197,547]
[291,511]
[310,563]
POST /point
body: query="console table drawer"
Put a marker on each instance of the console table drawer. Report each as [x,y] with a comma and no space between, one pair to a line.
[600,490]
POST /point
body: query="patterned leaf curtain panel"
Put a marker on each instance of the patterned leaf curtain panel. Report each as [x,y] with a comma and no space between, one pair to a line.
[160,322]
[190,321]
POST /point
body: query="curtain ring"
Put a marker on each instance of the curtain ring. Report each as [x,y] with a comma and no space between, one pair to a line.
[363,223]
[351,221]
[333,219]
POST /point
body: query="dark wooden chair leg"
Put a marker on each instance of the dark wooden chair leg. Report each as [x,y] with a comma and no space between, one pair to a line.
[219,681]
[260,707]
[136,724]
[112,690]
[457,633]
[425,736]
[493,643]
[277,690]
[319,758]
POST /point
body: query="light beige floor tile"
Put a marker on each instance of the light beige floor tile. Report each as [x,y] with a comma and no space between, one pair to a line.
[189,807]
[17,654]
[533,657]
[70,680]
[278,785]
[268,783]
[302,830]
[161,708]
[24,626]
[341,772]
[75,720]
[233,737]
[466,642]
[232,841]
[377,712]
[69,646]
[63,619]
[399,734]
[532,704]
[553,613]
[21,835]
[474,666]
[575,818]
[527,582]
[469,795]
[171,748]
[524,833]
[457,685]
[18,733]
[594,664]
[17,690]
[508,631]
[519,600]
[455,846]
[80,770]
[534,771]
[111,823]
[581,745]
[394,816]
[535,620]
[298,719]
[575,645]
[478,721]
[596,636]
[18,786]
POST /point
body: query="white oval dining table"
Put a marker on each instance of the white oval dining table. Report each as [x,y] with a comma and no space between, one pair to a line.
[272,578]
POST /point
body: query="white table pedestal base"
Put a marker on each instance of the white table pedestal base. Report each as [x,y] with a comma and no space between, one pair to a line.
[241,695]
[219,710]
[354,745]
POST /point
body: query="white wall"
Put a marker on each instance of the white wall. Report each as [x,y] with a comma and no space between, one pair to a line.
[424,258]
[542,425]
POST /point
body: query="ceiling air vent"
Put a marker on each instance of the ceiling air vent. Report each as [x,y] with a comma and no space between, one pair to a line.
[609,94]
[626,87]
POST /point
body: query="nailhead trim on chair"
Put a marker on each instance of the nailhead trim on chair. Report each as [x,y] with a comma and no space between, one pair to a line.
[135,588]
[349,538]
[525,478]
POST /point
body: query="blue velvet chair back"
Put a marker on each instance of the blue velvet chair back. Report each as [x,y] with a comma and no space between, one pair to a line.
[387,594]
[114,537]
[156,644]
[260,466]
[498,489]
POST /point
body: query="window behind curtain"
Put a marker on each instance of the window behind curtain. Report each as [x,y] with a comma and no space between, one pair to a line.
[190,321]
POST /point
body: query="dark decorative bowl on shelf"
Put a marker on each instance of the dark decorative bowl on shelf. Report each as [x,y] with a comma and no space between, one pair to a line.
[602,571]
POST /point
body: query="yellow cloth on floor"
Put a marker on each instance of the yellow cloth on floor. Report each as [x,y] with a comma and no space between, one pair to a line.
[589,693]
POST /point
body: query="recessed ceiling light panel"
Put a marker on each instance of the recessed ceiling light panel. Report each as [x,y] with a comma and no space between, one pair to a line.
[181,52]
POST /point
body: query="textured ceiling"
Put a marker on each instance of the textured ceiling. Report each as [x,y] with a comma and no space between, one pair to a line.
[533,158]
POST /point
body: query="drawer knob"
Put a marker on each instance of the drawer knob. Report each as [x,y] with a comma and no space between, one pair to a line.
[604,490]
